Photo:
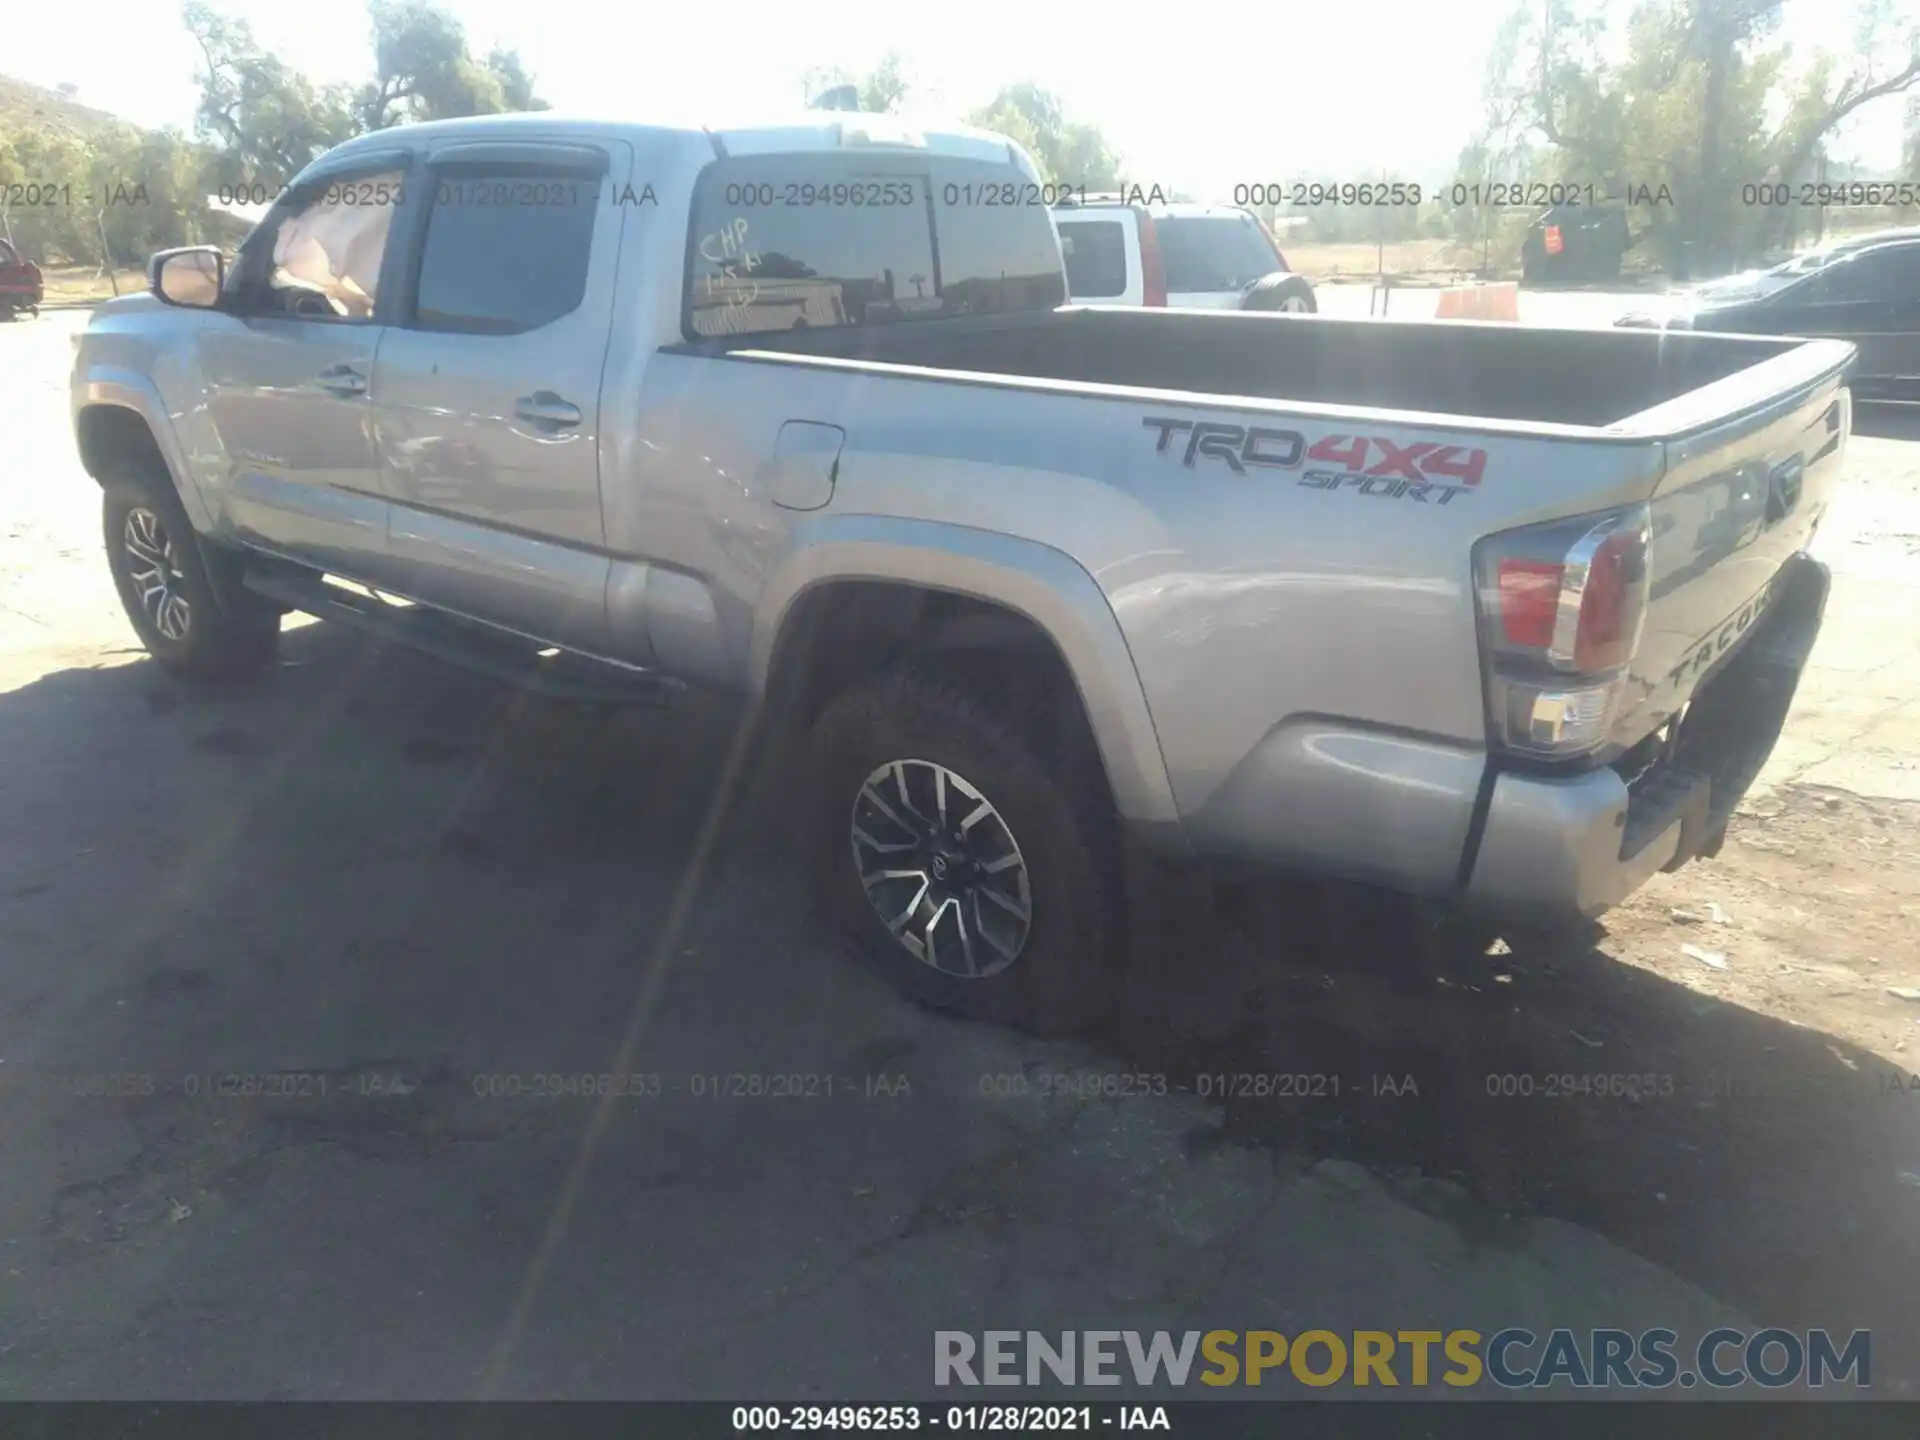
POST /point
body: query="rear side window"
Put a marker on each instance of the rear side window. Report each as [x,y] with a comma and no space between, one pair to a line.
[507,248]
[1213,252]
[794,242]
[1096,256]
[1888,275]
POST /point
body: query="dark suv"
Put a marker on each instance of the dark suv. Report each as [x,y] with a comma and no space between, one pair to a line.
[1573,243]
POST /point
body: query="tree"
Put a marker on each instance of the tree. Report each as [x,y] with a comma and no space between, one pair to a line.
[267,120]
[1690,105]
[424,71]
[1069,152]
[882,90]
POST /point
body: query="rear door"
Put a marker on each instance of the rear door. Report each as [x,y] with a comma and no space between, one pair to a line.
[1211,259]
[1102,254]
[487,409]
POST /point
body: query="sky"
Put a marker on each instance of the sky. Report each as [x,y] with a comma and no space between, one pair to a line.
[1198,94]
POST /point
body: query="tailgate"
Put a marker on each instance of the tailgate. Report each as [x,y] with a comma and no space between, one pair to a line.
[1737,501]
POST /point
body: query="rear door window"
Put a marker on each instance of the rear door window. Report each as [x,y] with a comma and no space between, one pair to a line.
[1096,257]
[507,247]
[785,242]
[1213,253]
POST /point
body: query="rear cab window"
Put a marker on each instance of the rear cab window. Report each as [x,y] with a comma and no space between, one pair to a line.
[805,241]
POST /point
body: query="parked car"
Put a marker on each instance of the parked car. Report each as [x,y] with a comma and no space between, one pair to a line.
[21,288]
[1795,266]
[1570,244]
[1494,616]
[1866,293]
[1195,257]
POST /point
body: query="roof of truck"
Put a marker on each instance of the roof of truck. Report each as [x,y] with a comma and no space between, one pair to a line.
[775,132]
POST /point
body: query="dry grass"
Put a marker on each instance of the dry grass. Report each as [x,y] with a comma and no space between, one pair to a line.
[84,284]
[1362,260]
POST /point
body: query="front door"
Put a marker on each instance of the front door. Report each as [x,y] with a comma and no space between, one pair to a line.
[288,369]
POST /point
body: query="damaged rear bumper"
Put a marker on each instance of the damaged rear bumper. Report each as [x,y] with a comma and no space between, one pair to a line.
[1557,846]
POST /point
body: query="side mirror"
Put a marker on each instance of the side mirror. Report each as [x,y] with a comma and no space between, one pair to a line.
[191,276]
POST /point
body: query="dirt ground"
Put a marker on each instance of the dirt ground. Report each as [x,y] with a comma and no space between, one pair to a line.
[400,881]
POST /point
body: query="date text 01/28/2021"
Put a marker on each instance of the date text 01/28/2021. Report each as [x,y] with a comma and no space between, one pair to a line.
[1001,1419]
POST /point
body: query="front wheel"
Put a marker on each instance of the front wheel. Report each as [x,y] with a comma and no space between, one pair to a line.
[972,870]
[194,622]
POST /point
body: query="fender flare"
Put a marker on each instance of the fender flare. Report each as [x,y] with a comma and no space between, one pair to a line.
[1045,585]
[112,385]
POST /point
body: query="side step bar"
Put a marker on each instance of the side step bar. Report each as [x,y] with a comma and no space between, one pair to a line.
[562,676]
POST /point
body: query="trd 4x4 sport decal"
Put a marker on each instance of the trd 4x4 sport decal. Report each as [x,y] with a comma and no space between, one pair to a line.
[1422,471]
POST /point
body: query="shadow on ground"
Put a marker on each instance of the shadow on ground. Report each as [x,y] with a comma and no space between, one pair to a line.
[205,874]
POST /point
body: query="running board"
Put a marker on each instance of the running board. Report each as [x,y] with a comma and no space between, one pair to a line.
[558,676]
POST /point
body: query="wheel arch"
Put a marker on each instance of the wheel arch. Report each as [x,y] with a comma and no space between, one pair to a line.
[118,418]
[920,586]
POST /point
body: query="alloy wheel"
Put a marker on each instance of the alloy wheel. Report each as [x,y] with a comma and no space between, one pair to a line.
[155,574]
[941,869]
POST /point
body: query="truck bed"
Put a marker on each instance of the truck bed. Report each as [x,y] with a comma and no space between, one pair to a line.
[1588,378]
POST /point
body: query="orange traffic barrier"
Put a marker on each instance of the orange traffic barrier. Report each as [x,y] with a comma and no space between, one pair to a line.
[1479,302]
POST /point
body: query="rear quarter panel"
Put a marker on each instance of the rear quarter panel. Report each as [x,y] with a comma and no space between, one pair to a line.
[1245,597]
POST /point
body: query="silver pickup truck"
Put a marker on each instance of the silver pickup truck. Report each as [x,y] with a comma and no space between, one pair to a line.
[1503,618]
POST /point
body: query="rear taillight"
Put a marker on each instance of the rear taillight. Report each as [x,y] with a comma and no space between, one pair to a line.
[1561,608]
[1553,241]
[1153,275]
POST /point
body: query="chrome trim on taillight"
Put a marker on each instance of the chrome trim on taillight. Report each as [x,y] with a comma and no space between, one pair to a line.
[1577,568]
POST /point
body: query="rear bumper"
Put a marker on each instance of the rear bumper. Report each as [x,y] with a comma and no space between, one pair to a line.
[1577,845]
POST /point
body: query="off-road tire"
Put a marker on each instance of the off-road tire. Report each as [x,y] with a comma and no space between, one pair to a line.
[1064,978]
[229,632]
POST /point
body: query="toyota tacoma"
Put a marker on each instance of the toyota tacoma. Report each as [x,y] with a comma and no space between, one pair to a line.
[1499,617]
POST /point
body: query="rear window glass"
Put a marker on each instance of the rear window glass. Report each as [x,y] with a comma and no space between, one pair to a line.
[7,257]
[1213,252]
[783,242]
[1096,256]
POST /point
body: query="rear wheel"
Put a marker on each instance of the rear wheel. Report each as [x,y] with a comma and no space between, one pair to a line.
[188,608]
[970,868]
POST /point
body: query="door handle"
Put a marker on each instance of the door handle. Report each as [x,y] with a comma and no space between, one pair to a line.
[343,380]
[547,411]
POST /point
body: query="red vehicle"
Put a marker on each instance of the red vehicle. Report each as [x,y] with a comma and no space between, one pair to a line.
[20,287]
